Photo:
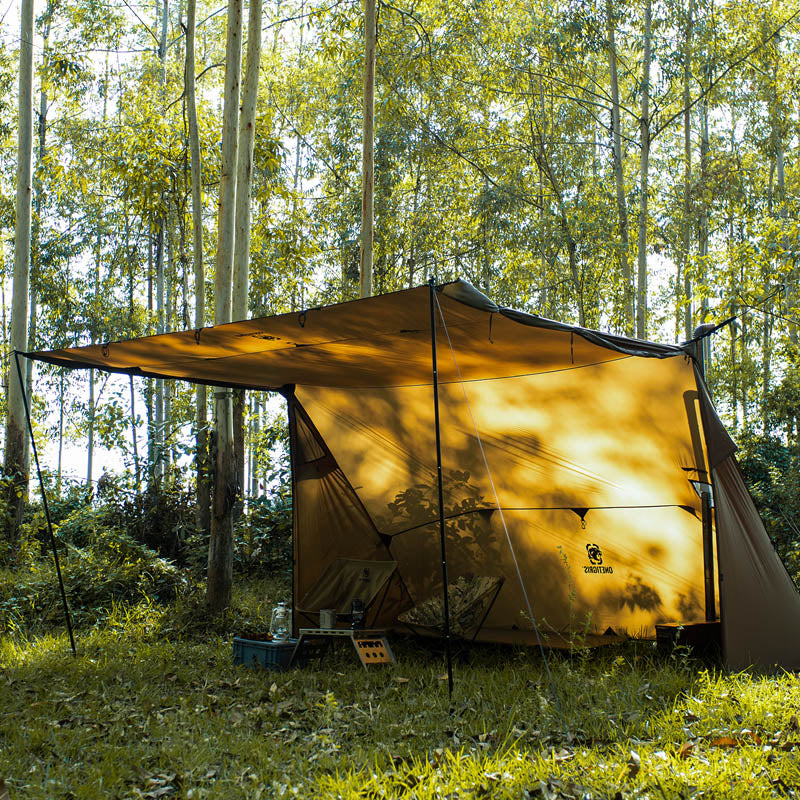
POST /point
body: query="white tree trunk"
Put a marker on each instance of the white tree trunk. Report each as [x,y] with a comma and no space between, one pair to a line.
[244,167]
[619,180]
[202,461]
[368,150]
[244,181]
[644,167]
[14,464]
[220,552]
[686,232]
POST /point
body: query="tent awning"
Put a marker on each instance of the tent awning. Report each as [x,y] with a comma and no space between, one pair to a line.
[375,342]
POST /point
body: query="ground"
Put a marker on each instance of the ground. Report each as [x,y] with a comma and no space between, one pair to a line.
[153,707]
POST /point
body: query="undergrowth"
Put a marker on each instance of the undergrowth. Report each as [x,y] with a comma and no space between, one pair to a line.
[153,707]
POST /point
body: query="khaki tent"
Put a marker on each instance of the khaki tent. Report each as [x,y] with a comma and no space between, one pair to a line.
[567,458]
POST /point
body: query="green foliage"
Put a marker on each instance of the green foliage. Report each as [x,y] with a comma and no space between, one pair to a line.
[102,565]
[264,537]
[771,466]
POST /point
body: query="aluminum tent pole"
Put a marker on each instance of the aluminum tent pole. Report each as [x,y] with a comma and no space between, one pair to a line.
[445,595]
[46,507]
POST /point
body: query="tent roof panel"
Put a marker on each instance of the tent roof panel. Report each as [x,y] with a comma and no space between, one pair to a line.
[374,342]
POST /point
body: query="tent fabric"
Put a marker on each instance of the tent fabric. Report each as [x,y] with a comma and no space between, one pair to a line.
[567,453]
[345,580]
[378,341]
[760,604]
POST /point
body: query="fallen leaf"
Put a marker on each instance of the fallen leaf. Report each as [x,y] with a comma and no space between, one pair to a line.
[794,724]
[724,741]
[398,679]
[685,750]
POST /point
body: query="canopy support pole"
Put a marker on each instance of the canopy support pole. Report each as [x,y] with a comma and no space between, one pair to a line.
[702,353]
[46,507]
[445,594]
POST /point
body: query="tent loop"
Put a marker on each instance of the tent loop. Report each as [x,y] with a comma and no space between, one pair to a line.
[503,521]
[301,318]
[105,349]
[197,335]
[491,320]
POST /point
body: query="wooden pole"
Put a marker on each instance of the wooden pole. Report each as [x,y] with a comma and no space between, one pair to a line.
[368,149]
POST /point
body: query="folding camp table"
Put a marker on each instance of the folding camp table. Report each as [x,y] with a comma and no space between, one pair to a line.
[371,645]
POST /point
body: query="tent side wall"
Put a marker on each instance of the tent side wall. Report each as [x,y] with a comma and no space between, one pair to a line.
[760,604]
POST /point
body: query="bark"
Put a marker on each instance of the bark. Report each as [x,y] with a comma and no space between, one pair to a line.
[368,149]
[256,425]
[688,326]
[244,167]
[201,442]
[644,167]
[220,551]
[158,432]
[36,227]
[619,178]
[148,389]
[244,181]
[14,463]
[702,231]
[60,431]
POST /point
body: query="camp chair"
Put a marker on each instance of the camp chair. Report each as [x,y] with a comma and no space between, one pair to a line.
[470,600]
[345,580]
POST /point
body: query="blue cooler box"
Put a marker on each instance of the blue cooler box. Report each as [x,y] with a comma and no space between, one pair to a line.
[266,655]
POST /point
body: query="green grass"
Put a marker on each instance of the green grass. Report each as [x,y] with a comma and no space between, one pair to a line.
[153,707]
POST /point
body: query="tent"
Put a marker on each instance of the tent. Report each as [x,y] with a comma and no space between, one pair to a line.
[570,466]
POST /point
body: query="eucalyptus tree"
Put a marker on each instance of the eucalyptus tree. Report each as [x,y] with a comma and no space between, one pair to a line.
[14,467]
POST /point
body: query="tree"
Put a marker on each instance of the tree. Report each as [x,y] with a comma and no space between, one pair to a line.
[220,551]
[15,469]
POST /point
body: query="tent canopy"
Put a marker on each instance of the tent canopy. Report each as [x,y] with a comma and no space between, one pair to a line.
[573,447]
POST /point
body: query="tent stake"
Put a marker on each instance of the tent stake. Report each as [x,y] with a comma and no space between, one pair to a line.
[46,507]
[445,594]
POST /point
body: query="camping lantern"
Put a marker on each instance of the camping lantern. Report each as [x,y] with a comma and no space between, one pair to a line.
[279,624]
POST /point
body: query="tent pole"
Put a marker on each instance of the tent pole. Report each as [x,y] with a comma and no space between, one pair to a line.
[702,353]
[46,507]
[445,595]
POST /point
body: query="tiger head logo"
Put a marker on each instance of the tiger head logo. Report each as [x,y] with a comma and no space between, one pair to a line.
[594,553]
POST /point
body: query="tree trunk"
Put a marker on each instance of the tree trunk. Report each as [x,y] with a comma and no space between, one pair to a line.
[244,180]
[686,228]
[201,440]
[702,233]
[255,431]
[644,167]
[158,467]
[619,178]
[14,463]
[368,149]
[60,431]
[220,551]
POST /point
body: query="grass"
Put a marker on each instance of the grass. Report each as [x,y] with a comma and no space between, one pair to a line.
[153,707]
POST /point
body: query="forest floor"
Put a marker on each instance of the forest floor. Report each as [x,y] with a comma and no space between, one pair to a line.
[153,707]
